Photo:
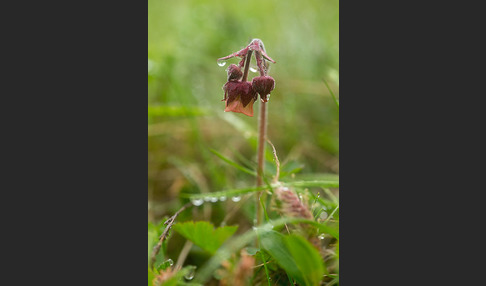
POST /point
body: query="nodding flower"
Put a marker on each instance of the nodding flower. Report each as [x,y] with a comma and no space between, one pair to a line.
[263,85]
[239,97]
[234,73]
[240,94]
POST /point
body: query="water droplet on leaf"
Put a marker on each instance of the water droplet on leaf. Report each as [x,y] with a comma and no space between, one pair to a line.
[323,215]
[191,272]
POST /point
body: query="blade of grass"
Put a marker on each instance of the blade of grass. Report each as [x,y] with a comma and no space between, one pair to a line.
[334,97]
[267,219]
[316,183]
[266,269]
[232,163]
[236,192]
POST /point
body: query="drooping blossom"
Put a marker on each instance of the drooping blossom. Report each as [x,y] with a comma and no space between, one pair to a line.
[239,97]
[263,85]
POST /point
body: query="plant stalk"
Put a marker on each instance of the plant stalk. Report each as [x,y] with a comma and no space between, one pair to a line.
[247,66]
[262,134]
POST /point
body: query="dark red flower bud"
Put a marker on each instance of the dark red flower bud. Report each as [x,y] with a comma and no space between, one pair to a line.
[239,97]
[263,85]
[234,73]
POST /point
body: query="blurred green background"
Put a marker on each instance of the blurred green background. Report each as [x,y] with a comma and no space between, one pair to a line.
[185,111]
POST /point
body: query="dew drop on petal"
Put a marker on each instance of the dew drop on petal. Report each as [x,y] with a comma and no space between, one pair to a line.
[236,198]
[197,202]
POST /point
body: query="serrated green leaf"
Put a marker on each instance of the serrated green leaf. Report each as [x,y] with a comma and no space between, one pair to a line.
[307,258]
[204,235]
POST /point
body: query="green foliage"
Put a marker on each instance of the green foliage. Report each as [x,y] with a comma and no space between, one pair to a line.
[307,258]
[150,277]
[204,235]
[274,243]
[266,268]
[234,164]
[177,278]
[152,237]
[296,256]
[242,191]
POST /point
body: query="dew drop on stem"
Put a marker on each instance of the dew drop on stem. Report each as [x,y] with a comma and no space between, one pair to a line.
[221,63]
[197,202]
[169,262]
[236,199]
[323,215]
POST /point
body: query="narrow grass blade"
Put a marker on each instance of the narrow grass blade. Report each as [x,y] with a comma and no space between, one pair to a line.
[237,192]
[234,164]
[226,193]
[266,269]
[317,183]
[330,91]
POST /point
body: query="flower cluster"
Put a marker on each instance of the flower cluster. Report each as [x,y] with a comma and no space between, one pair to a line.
[291,205]
[240,94]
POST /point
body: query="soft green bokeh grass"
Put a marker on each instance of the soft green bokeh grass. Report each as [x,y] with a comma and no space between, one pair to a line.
[186,118]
